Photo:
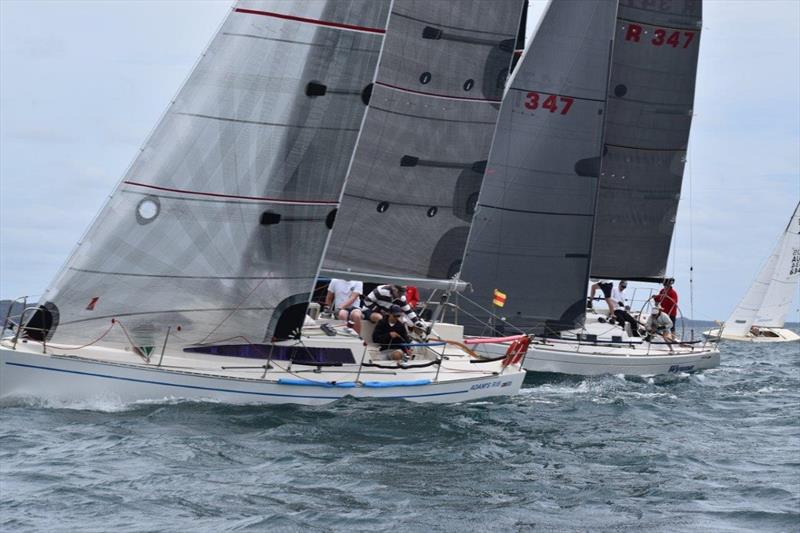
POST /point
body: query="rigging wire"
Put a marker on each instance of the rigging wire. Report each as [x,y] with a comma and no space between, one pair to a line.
[691,244]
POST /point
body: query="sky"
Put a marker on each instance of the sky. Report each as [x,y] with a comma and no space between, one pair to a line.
[83,83]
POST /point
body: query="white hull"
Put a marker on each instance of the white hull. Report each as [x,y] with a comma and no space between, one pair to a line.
[121,376]
[589,360]
[612,351]
[593,360]
[768,335]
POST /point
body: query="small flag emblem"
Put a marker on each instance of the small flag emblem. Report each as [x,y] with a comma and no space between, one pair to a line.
[499,298]
[92,303]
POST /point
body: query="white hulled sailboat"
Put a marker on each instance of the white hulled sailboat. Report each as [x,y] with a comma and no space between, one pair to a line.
[194,279]
[761,314]
[583,181]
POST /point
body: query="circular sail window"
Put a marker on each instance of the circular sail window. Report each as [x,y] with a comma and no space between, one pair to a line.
[382,207]
[147,210]
[432,211]
[425,78]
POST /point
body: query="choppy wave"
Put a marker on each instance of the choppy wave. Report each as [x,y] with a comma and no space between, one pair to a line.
[716,450]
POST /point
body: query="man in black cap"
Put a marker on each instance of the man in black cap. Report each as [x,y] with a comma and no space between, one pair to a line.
[391,334]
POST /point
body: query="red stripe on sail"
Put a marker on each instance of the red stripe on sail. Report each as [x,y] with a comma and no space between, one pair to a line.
[305,20]
[235,196]
[436,95]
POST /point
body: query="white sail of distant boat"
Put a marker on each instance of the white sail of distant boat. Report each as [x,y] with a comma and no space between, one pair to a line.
[209,247]
[585,175]
[761,314]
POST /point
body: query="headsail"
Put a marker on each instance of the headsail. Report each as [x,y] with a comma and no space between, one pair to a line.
[768,299]
[783,286]
[218,227]
[417,170]
[651,98]
[533,226]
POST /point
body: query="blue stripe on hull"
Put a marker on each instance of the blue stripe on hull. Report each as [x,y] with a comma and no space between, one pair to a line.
[198,387]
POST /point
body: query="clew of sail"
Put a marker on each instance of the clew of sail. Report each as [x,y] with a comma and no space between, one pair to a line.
[768,299]
[218,227]
[415,175]
[651,98]
[532,233]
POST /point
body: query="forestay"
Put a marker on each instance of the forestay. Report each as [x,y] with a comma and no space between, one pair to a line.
[649,115]
[532,233]
[769,297]
[219,225]
[415,176]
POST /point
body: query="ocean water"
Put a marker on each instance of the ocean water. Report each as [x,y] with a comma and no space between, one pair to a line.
[717,451]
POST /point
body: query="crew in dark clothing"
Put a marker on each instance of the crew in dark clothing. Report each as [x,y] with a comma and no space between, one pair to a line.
[391,333]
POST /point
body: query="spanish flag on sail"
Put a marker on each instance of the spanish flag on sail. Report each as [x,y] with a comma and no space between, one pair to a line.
[499,298]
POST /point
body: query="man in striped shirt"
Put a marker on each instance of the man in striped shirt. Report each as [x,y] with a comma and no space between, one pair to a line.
[379,302]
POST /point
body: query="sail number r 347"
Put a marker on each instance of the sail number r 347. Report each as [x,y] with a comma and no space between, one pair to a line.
[660,36]
[550,102]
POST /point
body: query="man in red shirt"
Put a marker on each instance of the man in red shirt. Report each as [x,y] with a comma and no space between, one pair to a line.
[667,299]
[412,296]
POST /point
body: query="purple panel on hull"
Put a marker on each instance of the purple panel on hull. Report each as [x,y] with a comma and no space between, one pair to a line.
[297,354]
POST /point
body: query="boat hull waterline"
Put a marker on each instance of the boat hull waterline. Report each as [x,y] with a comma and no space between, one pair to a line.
[70,378]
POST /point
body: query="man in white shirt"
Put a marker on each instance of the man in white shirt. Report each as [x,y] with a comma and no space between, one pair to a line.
[621,308]
[344,300]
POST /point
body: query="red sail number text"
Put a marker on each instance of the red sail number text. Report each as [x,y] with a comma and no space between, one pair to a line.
[548,101]
[673,38]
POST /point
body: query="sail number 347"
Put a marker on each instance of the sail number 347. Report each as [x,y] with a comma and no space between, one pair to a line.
[660,36]
[551,102]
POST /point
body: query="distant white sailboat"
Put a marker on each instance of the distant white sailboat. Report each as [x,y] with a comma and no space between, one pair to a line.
[761,314]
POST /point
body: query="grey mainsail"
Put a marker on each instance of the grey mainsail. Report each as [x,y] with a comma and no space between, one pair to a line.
[417,170]
[651,97]
[218,227]
[532,233]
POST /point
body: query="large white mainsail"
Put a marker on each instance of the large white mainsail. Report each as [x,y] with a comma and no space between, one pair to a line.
[219,225]
[768,299]
[532,234]
[421,156]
